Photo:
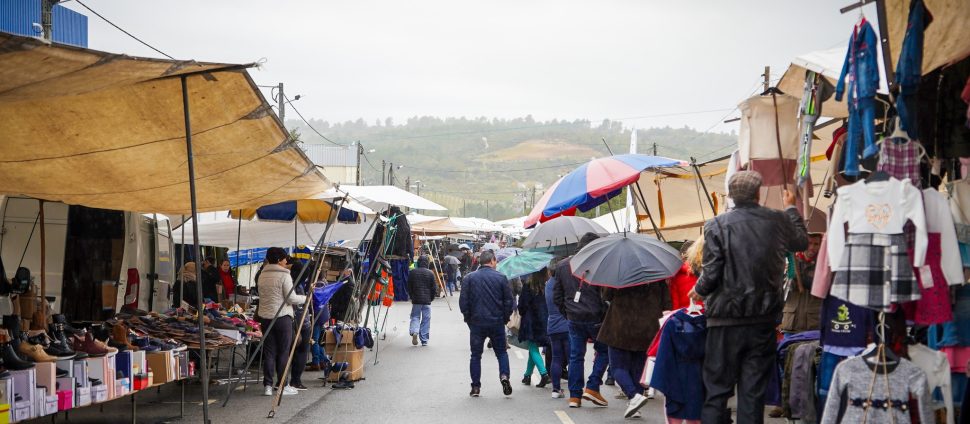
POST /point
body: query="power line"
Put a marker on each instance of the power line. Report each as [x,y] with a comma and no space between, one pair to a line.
[122,30]
[308,123]
[495,170]
[368,162]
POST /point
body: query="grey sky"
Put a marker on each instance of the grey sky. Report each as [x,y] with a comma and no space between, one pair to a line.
[504,58]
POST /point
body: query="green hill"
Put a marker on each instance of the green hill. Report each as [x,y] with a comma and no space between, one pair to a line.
[488,167]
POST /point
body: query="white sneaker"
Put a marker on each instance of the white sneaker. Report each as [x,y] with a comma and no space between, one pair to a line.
[638,401]
[651,393]
[557,394]
[290,391]
[414,339]
[268,391]
[636,415]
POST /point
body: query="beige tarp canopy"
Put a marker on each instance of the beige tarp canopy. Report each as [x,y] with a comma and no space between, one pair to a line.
[946,40]
[105,130]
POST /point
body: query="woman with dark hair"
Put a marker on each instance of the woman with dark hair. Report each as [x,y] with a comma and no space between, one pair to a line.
[532,328]
[228,280]
[276,294]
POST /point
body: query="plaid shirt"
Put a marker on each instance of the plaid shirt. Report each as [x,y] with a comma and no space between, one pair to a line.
[900,158]
[876,272]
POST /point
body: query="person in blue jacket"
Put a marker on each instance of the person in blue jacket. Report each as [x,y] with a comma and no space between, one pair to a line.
[558,331]
[486,303]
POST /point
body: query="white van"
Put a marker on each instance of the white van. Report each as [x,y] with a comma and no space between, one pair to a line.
[96,260]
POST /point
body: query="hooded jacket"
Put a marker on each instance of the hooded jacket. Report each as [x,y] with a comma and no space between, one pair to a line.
[861,62]
[744,263]
[422,284]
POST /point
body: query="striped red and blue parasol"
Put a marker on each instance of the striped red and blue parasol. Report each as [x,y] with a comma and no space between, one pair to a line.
[307,211]
[593,183]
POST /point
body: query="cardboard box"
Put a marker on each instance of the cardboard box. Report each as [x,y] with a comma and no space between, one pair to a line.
[66,383]
[80,373]
[141,382]
[162,366]
[65,400]
[51,405]
[21,411]
[6,391]
[47,377]
[82,397]
[346,338]
[66,365]
[24,385]
[99,393]
[353,357]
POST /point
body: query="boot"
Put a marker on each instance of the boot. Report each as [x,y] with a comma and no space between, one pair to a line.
[51,347]
[65,326]
[119,333]
[39,320]
[8,355]
[86,343]
[12,324]
[35,352]
[62,342]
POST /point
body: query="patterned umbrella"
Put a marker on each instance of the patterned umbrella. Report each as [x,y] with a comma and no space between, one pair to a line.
[523,263]
[594,183]
[506,252]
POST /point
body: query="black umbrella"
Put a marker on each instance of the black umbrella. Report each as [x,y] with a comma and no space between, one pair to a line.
[625,260]
[561,231]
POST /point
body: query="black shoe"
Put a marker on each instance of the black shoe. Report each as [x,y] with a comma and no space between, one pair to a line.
[527,380]
[610,381]
[476,391]
[11,361]
[60,373]
[506,387]
[543,381]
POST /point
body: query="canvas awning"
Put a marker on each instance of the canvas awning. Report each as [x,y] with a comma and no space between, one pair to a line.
[380,197]
[222,231]
[946,40]
[107,130]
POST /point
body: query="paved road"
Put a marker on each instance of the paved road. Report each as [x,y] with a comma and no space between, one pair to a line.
[426,385]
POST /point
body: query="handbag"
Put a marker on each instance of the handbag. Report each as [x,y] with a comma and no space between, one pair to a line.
[515,321]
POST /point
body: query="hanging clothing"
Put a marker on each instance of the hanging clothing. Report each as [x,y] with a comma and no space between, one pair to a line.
[876,272]
[757,137]
[823,274]
[817,90]
[878,207]
[862,72]
[801,397]
[939,219]
[909,68]
[845,324]
[834,154]
[680,284]
[855,398]
[677,371]
[400,269]
[801,312]
[937,370]
[933,307]
[956,332]
[900,158]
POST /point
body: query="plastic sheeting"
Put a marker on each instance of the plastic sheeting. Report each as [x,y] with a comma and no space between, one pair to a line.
[105,130]
[254,234]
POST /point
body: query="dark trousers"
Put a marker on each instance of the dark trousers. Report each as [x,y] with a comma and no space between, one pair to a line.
[579,333]
[496,334]
[560,354]
[300,356]
[627,367]
[276,348]
[741,356]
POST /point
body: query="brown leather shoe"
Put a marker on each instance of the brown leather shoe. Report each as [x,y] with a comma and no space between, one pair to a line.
[106,347]
[35,352]
[119,333]
[87,344]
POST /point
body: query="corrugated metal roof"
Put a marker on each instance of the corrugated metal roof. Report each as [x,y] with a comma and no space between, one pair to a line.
[331,155]
[19,16]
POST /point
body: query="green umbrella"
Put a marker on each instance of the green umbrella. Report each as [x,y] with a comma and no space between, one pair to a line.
[523,263]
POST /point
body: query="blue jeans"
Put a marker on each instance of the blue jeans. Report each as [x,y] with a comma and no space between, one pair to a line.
[421,322]
[478,334]
[579,333]
[317,352]
[451,285]
[560,350]
[627,367]
[861,127]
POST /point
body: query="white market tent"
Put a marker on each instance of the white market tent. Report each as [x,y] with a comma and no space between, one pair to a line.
[221,231]
[380,197]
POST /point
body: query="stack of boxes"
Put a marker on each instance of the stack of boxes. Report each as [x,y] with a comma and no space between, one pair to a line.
[345,351]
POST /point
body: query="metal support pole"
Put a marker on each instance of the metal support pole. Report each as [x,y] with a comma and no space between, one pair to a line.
[697,172]
[204,378]
[646,208]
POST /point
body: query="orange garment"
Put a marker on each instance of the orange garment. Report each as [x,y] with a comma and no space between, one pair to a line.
[680,284]
[388,295]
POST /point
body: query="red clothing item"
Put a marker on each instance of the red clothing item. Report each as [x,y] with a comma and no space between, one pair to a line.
[228,284]
[680,284]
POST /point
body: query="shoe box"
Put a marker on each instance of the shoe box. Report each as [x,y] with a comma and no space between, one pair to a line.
[139,370]
[47,377]
[24,386]
[182,365]
[351,355]
[162,366]
[346,338]
[123,366]
[102,368]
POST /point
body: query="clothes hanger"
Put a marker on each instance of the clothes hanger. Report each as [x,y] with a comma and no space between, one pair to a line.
[694,309]
[878,353]
[772,90]
[877,177]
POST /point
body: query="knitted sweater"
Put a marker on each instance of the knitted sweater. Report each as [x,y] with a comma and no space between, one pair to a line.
[849,394]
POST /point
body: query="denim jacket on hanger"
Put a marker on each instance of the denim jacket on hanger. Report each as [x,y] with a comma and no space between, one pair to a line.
[861,62]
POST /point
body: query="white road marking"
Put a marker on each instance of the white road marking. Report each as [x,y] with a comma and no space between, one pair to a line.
[564,418]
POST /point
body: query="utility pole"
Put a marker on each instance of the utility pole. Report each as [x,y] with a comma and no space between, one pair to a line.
[407,183]
[464,212]
[486,209]
[390,174]
[46,18]
[655,149]
[525,203]
[767,81]
[281,103]
[360,152]
[533,196]
[383,170]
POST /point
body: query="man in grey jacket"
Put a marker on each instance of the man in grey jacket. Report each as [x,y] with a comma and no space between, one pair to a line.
[276,294]
[741,285]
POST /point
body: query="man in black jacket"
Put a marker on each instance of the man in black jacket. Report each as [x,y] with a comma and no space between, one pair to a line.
[422,287]
[584,309]
[486,303]
[741,285]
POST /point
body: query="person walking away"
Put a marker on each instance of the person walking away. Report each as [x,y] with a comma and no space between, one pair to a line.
[451,273]
[211,281]
[532,327]
[558,330]
[632,321]
[583,308]
[276,293]
[741,284]
[422,286]
[228,281]
[486,304]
